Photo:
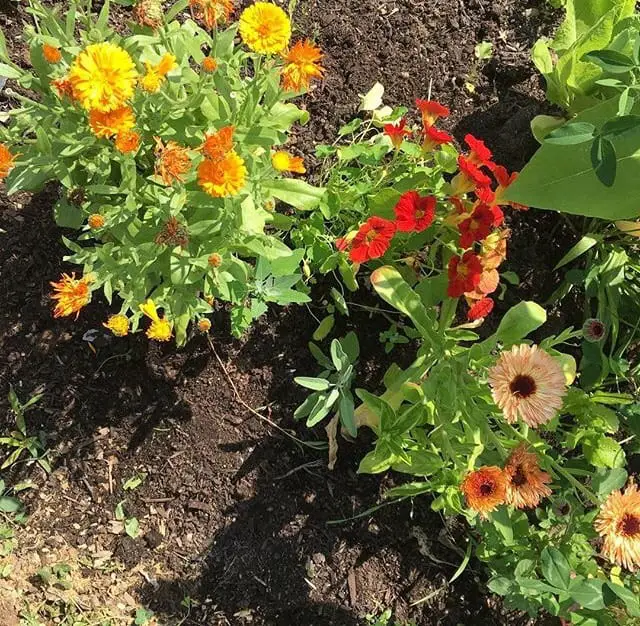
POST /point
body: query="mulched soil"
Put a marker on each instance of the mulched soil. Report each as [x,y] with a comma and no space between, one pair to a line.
[233,513]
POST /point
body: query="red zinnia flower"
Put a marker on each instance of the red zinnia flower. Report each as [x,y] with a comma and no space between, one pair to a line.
[372,240]
[431,111]
[479,309]
[480,154]
[476,227]
[469,177]
[464,274]
[414,213]
[397,132]
[434,137]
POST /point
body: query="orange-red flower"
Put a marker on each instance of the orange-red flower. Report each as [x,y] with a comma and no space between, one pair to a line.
[211,12]
[71,294]
[172,161]
[51,53]
[209,64]
[431,111]
[413,213]
[372,239]
[95,220]
[112,122]
[433,137]
[476,227]
[479,309]
[504,180]
[63,87]
[489,281]
[217,144]
[127,141]
[397,132]
[485,489]
[526,482]
[464,274]
[494,249]
[283,161]
[480,154]
[224,177]
[6,161]
[469,177]
[619,523]
[302,65]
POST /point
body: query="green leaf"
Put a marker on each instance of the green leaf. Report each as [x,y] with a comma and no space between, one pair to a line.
[629,598]
[295,192]
[588,594]
[322,407]
[9,504]
[8,71]
[542,125]
[603,159]
[324,328]
[132,527]
[500,585]
[603,451]
[518,322]
[338,356]
[610,61]
[555,568]
[586,243]
[317,384]
[604,481]
[572,133]
[67,215]
[346,408]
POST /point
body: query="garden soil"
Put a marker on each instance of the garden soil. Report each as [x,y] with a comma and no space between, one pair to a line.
[238,522]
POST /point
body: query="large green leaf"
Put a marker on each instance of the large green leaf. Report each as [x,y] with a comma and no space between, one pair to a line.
[562,178]
[518,322]
[297,193]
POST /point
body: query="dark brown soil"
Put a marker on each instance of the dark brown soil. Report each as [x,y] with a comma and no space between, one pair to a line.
[233,513]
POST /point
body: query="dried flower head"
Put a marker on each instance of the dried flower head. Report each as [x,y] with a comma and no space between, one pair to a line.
[527,383]
[302,65]
[265,28]
[211,12]
[526,482]
[485,489]
[64,87]
[103,77]
[118,325]
[149,13]
[619,523]
[173,233]
[71,294]
[172,161]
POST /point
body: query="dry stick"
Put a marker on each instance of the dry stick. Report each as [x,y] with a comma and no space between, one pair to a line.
[250,408]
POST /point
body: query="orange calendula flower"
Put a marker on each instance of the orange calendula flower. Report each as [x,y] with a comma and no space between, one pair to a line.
[283,161]
[619,523]
[172,161]
[51,53]
[211,12]
[218,144]
[6,161]
[108,124]
[160,328]
[265,28]
[302,65]
[222,178]
[103,77]
[204,325]
[127,141]
[526,482]
[118,325]
[215,259]
[96,221]
[528,383]
[64,87]
[485,489]
[71,294]
[209,64]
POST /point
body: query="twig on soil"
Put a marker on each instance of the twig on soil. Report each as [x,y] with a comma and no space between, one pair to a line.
[314,445]
[113,356]
[304,466]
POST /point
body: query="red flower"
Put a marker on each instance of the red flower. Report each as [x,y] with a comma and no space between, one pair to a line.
[504,179]
[372,240]
[498,215]
[480,309]
[434,137]
[480,154]
[397,132]
[413,213]
[469,178]
[485,195]
[464,274]
[476,227]
[431,111]
[342,244]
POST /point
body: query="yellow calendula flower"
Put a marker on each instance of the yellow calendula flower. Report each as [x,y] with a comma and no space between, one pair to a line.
[108,124]
[285,162]
[103,77]
[265,28]
[224,177]
[71,294]
[118,325]
[156,74]
[160,328]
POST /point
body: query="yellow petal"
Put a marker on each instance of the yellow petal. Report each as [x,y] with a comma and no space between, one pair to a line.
[149,309]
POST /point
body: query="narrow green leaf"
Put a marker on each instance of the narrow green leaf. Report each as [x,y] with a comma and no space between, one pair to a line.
[586,243]
[317,384]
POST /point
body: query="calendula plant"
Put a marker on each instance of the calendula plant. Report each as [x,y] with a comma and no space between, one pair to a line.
[495,432]
[404,195]
[165,142]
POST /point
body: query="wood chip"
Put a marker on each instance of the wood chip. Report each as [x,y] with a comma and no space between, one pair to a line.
[353,592]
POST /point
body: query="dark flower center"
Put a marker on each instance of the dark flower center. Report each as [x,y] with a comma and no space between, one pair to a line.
[629,525]
[519,478]
[523,385]
[486,489]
